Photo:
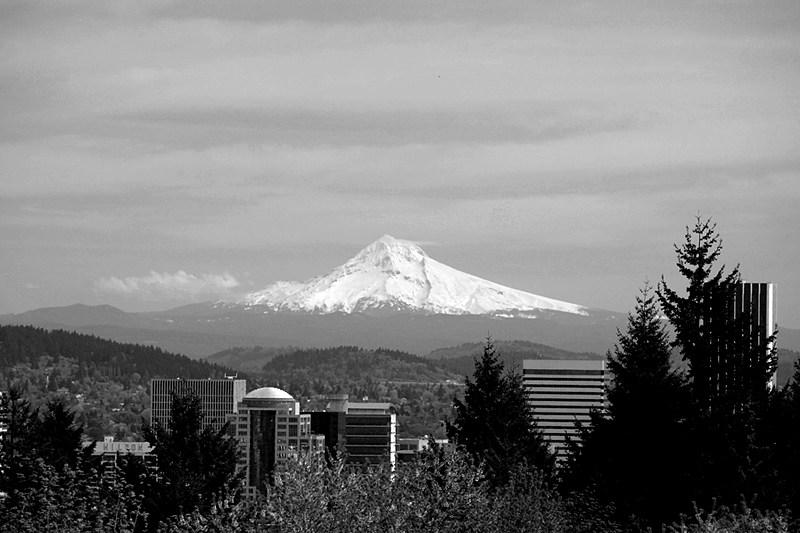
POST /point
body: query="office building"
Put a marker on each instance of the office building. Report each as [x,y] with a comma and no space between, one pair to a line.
[270,431]
[218,397]
[561,392]
[759,299]
[366,431]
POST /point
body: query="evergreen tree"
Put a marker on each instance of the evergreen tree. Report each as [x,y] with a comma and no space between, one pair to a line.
[629,457]
[725,367]
[196,464]
[495,424]
[36,440]
[729,371]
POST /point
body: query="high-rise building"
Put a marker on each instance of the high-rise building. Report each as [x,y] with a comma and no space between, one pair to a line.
[270,431]
[561,392]
[759,299]
[218,398]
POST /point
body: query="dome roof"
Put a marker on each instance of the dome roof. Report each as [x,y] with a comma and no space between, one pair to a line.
[269,393]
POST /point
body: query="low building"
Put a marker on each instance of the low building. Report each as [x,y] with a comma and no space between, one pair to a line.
[366,431]
[109,452]
[409,448]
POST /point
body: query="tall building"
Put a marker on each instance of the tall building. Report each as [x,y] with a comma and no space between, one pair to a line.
[270,431]
[561,392]
[218,397]
[759,298]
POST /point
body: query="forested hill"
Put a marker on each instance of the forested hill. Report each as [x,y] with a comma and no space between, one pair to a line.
[461,358]
[28,344]
[350,363]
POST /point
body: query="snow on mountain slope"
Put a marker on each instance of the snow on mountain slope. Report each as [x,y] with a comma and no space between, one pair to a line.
[396,274]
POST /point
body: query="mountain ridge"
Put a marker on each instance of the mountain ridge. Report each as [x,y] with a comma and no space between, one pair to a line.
[394,275]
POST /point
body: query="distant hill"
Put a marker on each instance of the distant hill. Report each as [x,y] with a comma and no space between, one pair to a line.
[249,358]
[200,330]
[460,359]
[27,344]
[786,361]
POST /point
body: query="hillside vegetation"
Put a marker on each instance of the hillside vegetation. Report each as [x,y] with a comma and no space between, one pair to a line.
[106,382]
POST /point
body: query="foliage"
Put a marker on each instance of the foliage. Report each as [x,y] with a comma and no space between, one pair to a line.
[631,456]
[420,390]
[196,464]
[71,501]
[723,520]
[729,372]
[494,422]
[27,344]
[35,438]
[444,491]
[725,367]
[104,382]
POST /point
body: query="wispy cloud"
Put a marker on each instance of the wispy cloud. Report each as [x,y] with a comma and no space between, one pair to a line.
[166,286]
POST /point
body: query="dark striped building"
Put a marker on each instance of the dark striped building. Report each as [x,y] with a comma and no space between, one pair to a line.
[561,392]
[759,298]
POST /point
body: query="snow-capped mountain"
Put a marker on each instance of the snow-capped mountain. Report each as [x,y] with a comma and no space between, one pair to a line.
[393,274]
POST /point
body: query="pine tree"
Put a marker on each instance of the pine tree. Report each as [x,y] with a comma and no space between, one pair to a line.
[729,372]
[725,367]
[645,389]
[495,424]
[629,457]
[196,464]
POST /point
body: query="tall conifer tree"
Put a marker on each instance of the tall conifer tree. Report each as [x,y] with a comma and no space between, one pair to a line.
[630,456]
[494,422]
[728,369]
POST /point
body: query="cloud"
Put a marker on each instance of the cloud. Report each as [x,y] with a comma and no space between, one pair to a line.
[166,286]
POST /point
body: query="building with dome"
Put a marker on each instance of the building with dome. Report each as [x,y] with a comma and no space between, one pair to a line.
[270,431]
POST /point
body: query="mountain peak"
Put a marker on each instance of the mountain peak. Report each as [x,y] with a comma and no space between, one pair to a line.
[398,275]
[389,253]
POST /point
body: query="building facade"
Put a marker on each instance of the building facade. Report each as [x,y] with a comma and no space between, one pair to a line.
[365,431]
[759,299]
[270,431]
[218,397]
[561,392]
[109,452]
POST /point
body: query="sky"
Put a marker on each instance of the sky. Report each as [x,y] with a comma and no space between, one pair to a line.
[154,154]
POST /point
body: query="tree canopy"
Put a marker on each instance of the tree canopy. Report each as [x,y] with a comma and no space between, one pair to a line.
[494,422]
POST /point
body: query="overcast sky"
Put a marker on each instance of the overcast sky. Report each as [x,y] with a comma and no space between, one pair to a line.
[158,153]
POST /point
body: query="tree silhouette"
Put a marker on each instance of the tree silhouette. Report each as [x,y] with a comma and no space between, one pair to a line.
[196,464]
[494,422]
[631,456]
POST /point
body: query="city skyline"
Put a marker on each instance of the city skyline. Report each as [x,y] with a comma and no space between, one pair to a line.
[205,151]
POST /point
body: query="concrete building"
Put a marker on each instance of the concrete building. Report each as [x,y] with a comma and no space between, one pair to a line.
[409,448]
[218,397]
[561,392]
[366,431]
[270,431]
